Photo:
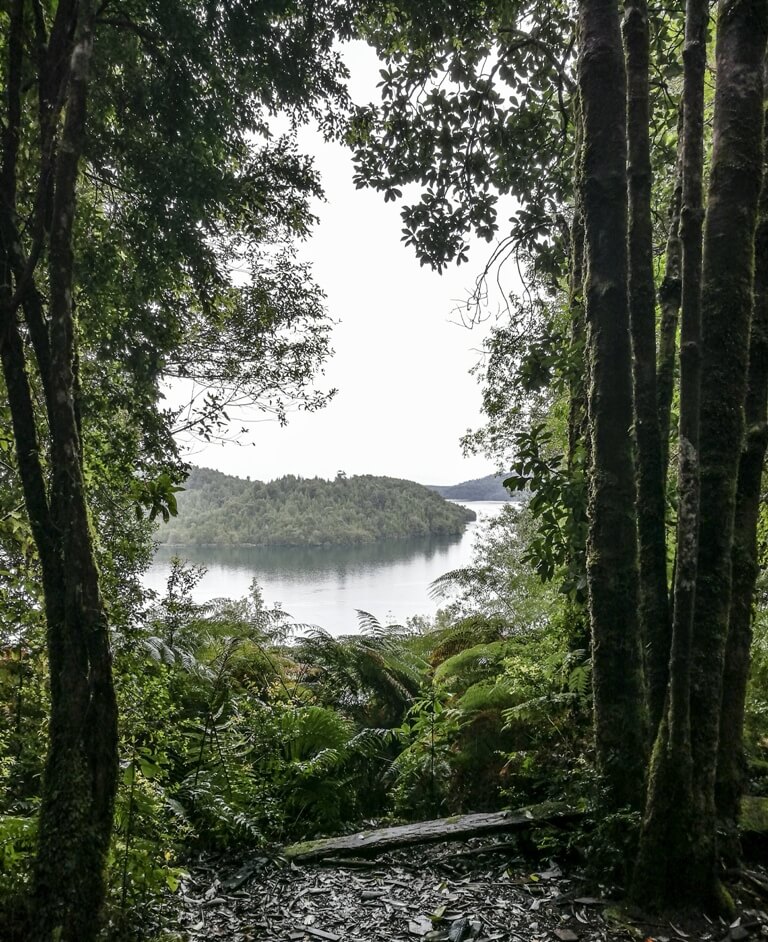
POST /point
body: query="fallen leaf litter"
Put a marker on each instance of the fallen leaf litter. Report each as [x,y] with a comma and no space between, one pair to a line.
[435,894]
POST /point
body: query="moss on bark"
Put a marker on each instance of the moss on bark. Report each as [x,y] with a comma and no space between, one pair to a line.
[744,558]
[729,233]
[655,626]
[677,863]
[612,568]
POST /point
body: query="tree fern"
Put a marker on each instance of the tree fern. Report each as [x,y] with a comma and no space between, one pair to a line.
[465,633]
[473,664]
[373,676]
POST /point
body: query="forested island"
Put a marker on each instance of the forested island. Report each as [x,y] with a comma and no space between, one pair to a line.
[219,509]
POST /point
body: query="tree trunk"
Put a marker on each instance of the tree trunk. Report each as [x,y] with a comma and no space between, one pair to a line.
[728,272]
[670,298]
[661,876]
[620,728]
[655,627]
[81,768]
[744,562]
[457,828]
[578,434]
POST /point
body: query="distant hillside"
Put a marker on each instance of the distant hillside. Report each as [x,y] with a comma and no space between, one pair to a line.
[488,488]
[216,508]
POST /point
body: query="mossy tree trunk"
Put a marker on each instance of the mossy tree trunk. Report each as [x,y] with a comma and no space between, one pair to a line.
[655,627]
[728,275]
[81,767]
[744,564]
[661,876]
[670,299]
[679,835]
[578,432]
[612,568]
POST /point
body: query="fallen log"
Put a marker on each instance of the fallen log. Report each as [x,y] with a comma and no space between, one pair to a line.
[458,827]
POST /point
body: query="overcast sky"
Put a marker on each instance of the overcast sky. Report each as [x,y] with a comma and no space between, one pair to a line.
[401,358]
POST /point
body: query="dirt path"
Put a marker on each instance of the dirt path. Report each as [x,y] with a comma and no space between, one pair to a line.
[447,893]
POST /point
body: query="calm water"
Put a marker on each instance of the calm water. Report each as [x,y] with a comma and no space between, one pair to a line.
[326,585]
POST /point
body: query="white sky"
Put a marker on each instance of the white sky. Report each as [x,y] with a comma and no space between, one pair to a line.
[401,359]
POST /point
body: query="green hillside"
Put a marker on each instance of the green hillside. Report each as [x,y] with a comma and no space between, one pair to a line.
[216,508]
[491,487]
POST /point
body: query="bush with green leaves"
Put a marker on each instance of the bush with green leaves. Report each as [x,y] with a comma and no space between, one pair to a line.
[423,772]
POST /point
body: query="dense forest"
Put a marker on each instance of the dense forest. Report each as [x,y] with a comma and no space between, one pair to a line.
[491,487]
[608,645]
[216,508]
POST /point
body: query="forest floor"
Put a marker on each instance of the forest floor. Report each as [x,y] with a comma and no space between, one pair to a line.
[471,891]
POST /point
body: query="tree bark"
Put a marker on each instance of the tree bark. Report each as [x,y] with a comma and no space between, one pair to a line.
[578,434]
[577,405]
[612,573]
[744,560]
[81,768]
[670,299]
[661,876]
[728,272]
[460,827]
[655,627]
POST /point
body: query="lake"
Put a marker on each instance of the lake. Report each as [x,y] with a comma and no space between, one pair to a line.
[325,585]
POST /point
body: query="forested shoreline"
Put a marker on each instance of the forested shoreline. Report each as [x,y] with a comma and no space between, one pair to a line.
[607,646]
[221,510]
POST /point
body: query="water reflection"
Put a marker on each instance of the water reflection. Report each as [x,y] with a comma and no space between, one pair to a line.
[325,585]
[303,562]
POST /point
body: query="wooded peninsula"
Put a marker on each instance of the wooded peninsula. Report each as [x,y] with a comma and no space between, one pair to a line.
[219,509]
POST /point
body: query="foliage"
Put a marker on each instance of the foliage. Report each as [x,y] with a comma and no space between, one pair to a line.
[372,676]
[163,226]
[473,105]
[756,718]
[423,771]
[558,507]
[138,175]
[190,205]
[500,585]
[17,840]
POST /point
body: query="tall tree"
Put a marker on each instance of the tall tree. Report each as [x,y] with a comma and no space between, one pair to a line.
[111,272]
[655,627]
[620,727]
[727,285]
[670,298]
[731,764]
[670,812]
[726,307]
[81,770]
[676,864]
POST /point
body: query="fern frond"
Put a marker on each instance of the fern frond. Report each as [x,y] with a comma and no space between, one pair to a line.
[463,578]
[537,707]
